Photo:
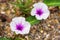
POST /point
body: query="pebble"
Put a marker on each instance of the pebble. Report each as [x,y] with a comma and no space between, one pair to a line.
[41,31]
[45,33]
[2,12]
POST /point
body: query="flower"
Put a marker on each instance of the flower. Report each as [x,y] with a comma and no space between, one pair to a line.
[40,11]
[20,26]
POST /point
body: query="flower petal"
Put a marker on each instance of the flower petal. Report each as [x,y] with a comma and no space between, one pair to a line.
[45,15]
[40,5]
[27,28]
[33,11]
[38,17]
[18,19]
[12,26]
[18,32]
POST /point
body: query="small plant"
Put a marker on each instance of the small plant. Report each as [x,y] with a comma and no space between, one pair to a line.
[36,13]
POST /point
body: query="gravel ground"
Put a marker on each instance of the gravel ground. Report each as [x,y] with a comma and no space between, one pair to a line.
[48,29]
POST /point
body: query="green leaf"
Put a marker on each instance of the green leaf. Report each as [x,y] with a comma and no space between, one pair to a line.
[4,38]
[18,38]
[28,3]
[52,2]
[32,20]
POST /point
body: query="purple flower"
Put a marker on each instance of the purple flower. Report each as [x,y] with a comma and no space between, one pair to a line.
[20,26]
[40,11]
